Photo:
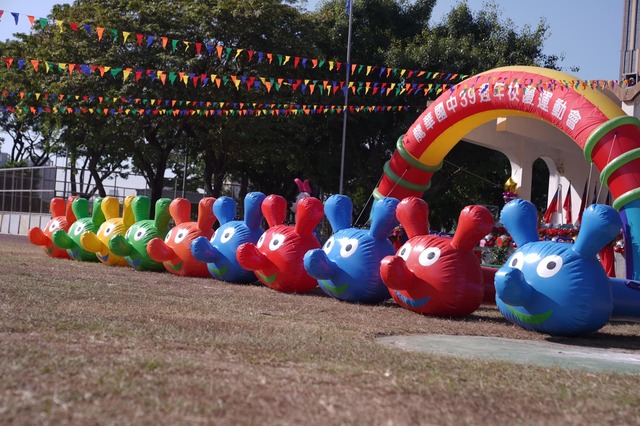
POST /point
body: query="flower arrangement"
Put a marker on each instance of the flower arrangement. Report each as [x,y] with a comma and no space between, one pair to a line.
[397,233]
[398,237]
[508,196]
[499,237]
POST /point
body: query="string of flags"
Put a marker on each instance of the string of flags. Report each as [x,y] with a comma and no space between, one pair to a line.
[176,112]
[146,103]
[226,53]
[323,87]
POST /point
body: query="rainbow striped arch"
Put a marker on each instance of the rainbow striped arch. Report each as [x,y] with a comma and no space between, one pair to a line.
[608,137]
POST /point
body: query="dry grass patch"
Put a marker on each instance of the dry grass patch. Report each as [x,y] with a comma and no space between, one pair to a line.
[84,343]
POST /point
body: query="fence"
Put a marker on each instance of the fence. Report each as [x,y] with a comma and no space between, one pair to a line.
[26,192]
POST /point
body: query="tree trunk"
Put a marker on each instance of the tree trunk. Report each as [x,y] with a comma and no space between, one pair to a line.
[244,186]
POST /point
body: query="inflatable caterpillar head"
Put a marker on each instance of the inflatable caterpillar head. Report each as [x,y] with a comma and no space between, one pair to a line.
[70,240]
[133,244]
[175,250]
[556,288]
[277,256]
[98,242]
[220,252]
[61,218]
[348,265]
[435,275]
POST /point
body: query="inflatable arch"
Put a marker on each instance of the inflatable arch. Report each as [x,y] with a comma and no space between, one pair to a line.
[608,137]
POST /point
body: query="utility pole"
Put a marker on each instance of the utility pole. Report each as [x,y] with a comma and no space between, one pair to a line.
[346,95]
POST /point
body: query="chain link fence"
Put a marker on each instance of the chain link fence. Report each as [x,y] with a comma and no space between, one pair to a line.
[26,193]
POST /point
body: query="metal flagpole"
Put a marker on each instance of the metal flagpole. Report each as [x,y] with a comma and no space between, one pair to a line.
[346,95]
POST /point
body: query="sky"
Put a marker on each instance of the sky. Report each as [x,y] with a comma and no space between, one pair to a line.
[587,32]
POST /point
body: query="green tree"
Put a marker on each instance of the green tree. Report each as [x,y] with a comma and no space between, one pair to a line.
[468,43]
[32,140]
[378,25]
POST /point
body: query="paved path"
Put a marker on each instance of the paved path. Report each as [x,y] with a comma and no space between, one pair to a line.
[529,352]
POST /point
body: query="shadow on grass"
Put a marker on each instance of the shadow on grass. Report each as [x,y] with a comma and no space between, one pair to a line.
[600,339]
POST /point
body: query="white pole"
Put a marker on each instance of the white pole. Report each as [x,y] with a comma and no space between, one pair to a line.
[346,95]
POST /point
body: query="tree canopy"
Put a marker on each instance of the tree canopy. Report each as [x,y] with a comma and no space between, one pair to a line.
[249,91]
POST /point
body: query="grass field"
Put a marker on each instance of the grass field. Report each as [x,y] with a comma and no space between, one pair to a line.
[84,343]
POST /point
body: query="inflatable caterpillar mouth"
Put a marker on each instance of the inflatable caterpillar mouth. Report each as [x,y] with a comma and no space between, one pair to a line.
[332,288]
[133,263]
[530,319]
[218,272]
[74,253]
[267,279]
[102,258]
[176,267]
[412,303]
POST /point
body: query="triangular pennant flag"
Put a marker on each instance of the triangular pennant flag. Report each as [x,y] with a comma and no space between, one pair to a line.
[125,36]
[99,31]
[73,26]
[219,51]
[236,81]
[43,22]
[553,207]
[15,16]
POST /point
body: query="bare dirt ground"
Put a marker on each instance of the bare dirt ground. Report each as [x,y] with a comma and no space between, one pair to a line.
[83,343]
